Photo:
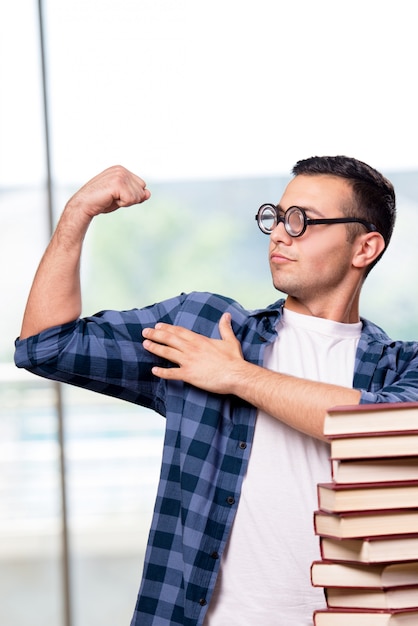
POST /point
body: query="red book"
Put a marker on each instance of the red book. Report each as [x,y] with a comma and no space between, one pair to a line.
[345,471]
[371,496]
[376,445]
[393,548]
[391,598]
[359,524]
[328,573]
[368,418]
[360,617]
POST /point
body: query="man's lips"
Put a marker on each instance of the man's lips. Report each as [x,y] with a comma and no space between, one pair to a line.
[279,257]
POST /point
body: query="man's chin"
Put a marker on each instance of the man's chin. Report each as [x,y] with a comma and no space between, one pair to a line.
[281,288]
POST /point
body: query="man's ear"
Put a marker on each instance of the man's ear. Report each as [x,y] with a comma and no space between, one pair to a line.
[368,248]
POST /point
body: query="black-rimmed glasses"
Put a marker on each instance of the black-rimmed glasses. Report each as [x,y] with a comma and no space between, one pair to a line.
[296,221]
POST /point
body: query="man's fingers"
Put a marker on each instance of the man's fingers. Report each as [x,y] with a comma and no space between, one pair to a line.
[201,361]
[162,350]
[172,343]
[173,336]
[225,327]
[168,373]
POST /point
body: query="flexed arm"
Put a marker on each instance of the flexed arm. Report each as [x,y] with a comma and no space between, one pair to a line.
[55,296]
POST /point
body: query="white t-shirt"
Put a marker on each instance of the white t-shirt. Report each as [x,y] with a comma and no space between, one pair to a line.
[265,570]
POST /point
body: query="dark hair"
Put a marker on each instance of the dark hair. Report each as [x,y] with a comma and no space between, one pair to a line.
[374,195]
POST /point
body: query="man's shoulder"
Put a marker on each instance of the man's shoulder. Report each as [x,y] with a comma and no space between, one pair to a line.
[211,305]
[201,311]
[372,334]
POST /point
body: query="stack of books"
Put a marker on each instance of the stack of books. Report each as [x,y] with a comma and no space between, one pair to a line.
[367,517]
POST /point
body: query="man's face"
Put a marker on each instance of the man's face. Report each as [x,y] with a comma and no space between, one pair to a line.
[314,268]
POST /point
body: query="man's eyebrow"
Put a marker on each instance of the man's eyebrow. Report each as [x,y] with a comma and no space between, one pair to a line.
[307,209]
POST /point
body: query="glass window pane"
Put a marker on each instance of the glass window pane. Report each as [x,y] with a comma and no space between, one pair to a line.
[113,462]
[30,504]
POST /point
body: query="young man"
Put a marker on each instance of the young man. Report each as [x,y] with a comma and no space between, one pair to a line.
[244,393]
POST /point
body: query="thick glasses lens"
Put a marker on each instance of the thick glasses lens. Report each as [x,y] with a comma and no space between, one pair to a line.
[294,221]
[267,218]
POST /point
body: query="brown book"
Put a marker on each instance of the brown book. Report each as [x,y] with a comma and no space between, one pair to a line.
[371,496]
[368,418]
[370,549]
[366,617]
[393,598]
[374,470]
[385,575]
[378,445]
[366,523]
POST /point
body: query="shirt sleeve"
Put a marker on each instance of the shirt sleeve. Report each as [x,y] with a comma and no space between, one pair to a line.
[103,353]
[395,378]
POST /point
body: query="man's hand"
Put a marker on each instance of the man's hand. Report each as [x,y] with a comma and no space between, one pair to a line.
[217,366]
[110,190]
[210,364]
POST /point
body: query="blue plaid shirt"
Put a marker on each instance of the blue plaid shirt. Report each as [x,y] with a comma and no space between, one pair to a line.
[208,436]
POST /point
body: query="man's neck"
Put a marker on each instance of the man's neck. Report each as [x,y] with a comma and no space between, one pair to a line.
[346,314]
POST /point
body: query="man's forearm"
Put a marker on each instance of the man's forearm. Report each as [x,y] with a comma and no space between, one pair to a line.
[300,403]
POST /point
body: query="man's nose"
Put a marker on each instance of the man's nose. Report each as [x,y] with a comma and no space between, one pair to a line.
[279,233]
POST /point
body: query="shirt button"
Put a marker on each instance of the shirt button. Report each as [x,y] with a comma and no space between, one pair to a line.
[242,445]
[230,500]
[202,602]
[215,555]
